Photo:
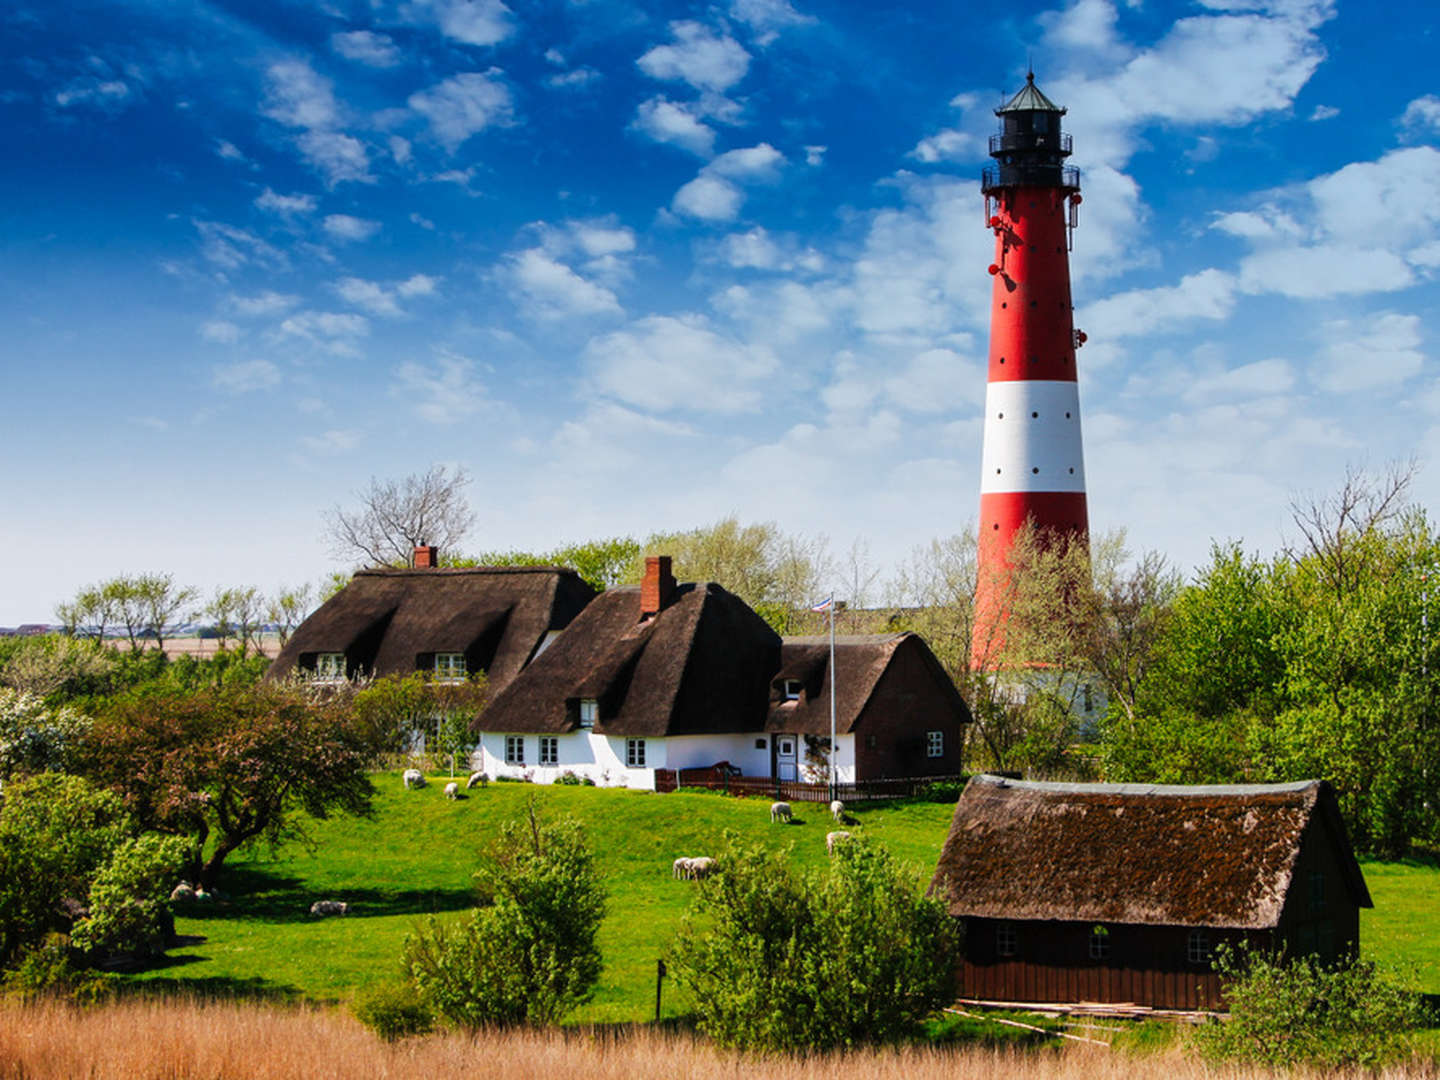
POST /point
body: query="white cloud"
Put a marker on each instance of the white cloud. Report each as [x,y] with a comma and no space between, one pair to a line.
[573,80]
[554,291]
[778,313]
[335,441]
[346,227]
[1210,294]
[950,144]
[664,363]
[464,105]
[246,376]
[332,332]
[366,47]
[275,203]
[109,95]
[756,164]
[228,151]
[473,22]
[231,248]
[298,97]
[1383,351]
[399,149]
[699,56]
[339,156]
[815,155]
[768,17]
[1320,271]
[1422,116]
[417,285]
[669,122]
[708,198]
[1082,25]
[1263,378]
[265,303]
[370,295]
[220,331]
[1324,112]
[598,238]
[443,393]
[751,249]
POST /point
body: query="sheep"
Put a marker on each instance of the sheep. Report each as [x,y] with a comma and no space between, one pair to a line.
[452,790]
[414,778]
[183,891]
[780,811]
[477,779]
[680,869]
[834,840]
[837,811]
[329,907]
[702,867]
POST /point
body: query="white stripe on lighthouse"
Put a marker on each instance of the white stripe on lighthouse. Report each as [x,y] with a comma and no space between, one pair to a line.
[1032,437]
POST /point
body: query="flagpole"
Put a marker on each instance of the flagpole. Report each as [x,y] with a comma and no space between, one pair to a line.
[833,777]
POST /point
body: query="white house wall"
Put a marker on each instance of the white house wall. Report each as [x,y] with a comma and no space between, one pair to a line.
[844,762]
[702,751]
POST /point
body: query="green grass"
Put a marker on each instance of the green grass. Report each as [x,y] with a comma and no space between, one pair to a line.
[416,854]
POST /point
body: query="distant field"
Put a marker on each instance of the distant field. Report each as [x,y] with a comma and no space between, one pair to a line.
[416,855]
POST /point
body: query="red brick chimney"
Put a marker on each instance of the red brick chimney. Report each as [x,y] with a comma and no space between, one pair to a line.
[658,586]
[427,557]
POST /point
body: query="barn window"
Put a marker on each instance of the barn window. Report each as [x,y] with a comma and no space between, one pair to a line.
[934,744]
[1317,891]
[1197,949]
[514,750]
[1099,943]
[635,753]
[549,750]
[330,667]
[870,742]
[1006,940]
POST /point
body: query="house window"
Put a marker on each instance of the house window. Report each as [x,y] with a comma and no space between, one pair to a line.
[549,750]
[635,753]
[1006,940]
[761,744]
[330,666]
[589,712]
[450,666]
[1317,891]
[1197,949]
[514,750]
[1099,943]
[934,744]
[792,689]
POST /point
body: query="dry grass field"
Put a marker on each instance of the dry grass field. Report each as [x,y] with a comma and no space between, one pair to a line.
[177,1039]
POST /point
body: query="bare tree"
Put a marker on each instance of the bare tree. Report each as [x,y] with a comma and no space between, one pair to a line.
[395,516]
[1330,525]
[288,608]
[1131,609]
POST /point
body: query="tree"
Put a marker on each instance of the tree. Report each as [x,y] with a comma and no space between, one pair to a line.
[229,766]
[146,605]
[53,665]
[601,563]
[528,954]
[162,601]
[288,608]
[237,613]
[779,960]
[36,738]
[392,709]
[396,516]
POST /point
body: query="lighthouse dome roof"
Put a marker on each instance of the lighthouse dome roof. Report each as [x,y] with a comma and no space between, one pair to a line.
[1029,99]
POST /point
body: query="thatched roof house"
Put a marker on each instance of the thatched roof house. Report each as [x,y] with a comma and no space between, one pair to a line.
[1119,892]
[672,676]
[455,622]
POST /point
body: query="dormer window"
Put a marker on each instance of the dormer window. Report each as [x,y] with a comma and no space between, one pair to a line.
[330,667]
[589,712]
[450,667]
[792,689]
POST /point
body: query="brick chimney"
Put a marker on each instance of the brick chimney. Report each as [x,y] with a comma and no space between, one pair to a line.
[427,557]
[658,586]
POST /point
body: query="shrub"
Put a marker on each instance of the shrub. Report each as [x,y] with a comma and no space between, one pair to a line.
[779,960]
[129,912]
[49,970]
[528,954]
[35,738]
[392,1011]
[1298,1011]
[570,779]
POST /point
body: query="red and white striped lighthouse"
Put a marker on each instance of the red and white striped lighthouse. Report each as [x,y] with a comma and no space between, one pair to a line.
[1032,465]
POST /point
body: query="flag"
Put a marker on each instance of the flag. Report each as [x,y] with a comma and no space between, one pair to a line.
[824,605]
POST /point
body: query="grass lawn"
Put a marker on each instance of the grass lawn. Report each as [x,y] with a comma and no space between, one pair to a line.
[416,854]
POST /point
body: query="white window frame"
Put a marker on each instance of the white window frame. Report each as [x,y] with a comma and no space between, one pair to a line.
[635,753]
[549,750]
[450,667]
[514,749]
[934,744]
[330,667]
[589,712]
[792,689]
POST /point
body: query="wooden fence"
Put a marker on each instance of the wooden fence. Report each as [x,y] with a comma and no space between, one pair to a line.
[769,787]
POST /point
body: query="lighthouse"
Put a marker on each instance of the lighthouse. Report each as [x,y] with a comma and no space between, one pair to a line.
[1032,463]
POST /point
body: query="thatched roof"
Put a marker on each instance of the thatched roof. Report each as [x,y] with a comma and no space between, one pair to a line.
[860,662]
[699,666]
[1131,853]
[391,619]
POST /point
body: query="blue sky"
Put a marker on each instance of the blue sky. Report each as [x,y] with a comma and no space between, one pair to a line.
[639,267]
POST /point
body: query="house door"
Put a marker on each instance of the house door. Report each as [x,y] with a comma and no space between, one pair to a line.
[785,760]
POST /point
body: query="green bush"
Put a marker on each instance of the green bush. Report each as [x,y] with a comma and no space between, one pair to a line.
[1301,1011]
[129,909]
[392,1011]
[48,969]
[36,738]
[570,779]
[779,960]
[528,954]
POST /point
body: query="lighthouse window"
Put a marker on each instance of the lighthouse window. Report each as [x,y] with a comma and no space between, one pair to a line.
[996,526]
[1036,469]
[1072,471]
[1067,416]
[1034,416]
[1034,303]
[1000,416]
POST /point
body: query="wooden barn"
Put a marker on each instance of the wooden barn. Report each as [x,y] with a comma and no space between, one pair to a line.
[1121,892]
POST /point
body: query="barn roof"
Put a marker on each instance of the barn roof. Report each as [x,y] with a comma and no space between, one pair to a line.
[860,662]
[701,665]
[1219,856]
[499,616]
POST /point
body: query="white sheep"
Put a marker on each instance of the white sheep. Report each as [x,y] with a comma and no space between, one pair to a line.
[477,779]
[452,790]
[414,778]
[329,907]
[183,891]
[834,840]
[680,869]
[837,811]
[780,811]
[701,867]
